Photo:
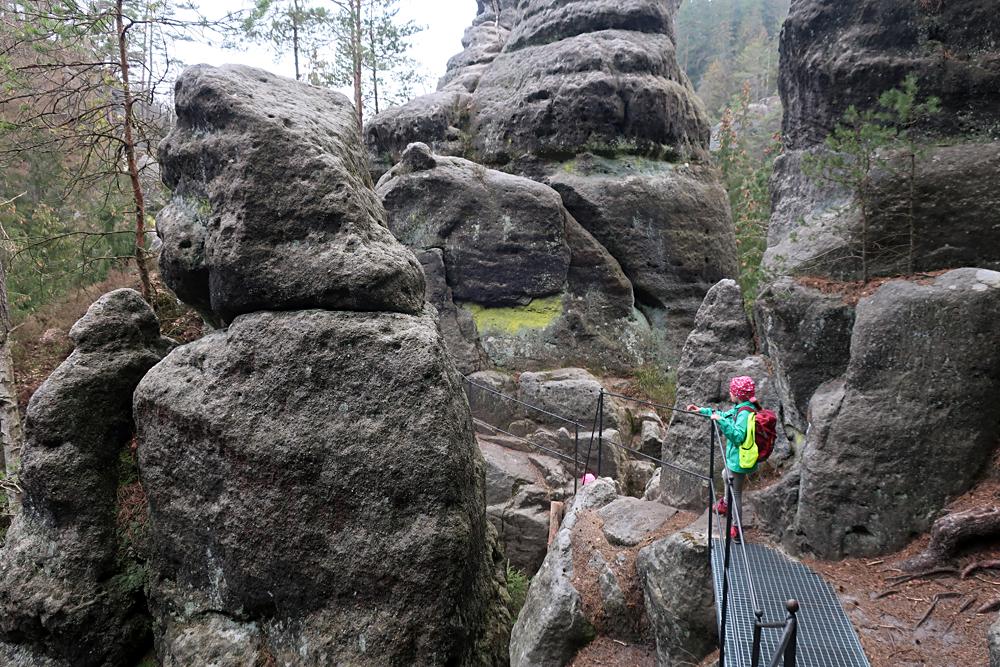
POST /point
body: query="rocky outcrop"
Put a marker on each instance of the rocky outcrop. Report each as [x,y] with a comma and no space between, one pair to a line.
[552,625]
[314,488]
[669,225]
[254,225]
[587,96]
[807,337]
[915,397]
[720,347]
[520,487]
[67,596]
[536,289]
[677,588]
[835,54]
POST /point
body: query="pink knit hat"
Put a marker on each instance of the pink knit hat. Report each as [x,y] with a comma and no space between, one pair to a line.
[742,387]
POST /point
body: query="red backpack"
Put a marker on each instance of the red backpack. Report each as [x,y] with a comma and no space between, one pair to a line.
[766,431]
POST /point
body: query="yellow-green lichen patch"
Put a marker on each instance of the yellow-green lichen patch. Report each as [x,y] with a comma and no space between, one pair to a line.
[538,314]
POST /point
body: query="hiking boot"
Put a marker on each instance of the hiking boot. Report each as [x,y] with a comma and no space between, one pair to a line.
[722,507]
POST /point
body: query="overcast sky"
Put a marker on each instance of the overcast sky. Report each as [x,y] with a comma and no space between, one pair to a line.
[445,21]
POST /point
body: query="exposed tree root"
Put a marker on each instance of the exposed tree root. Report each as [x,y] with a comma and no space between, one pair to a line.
[950,531]
[925,574]
[991,606]
[980,565]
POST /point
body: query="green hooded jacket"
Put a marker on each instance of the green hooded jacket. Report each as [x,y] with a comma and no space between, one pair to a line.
[734,427]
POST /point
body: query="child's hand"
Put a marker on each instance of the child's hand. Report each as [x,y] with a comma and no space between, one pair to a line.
[692,407]
[716,416]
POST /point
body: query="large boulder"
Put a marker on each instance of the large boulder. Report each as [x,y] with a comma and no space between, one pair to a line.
[918,394]
[718,348]
[272,206]
[66,594]
[552,625]
[603,75]
[668,225]
[807,336]
[839,53]
[326,510]
[539,289]
[677,589]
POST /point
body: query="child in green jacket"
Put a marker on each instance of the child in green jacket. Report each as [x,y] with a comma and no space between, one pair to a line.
[733,425]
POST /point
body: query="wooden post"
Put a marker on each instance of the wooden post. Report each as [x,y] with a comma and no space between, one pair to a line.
[556,509]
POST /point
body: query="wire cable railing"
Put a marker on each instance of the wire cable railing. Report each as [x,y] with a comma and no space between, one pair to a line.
[785,652]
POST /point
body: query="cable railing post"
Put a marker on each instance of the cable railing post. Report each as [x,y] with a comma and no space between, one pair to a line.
[755,654]
[600,430]
[725,574]
[793,629]
[711,481]
[576,456]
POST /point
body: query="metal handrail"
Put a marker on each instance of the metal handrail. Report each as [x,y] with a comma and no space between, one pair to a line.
[520,402]
[787,646]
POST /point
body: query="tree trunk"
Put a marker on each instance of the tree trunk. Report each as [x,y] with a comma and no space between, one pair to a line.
[295,38]
[133,168]
[374,62]
[356,48]
[11,432]
[911,264]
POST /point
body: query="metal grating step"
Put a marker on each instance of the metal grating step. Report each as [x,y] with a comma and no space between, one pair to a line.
[826,637]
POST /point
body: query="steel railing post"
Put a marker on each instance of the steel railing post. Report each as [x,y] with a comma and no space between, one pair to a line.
[793,628]
[725,573]
[711,482]
[576,456]
[600,430]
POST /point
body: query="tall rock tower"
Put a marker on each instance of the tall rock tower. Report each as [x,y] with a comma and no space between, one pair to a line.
[315,492]
[586,96]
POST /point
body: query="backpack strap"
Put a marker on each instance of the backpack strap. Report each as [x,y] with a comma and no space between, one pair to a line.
[746,408]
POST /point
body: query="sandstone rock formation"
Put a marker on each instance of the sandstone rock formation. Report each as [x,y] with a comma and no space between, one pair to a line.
[677,588]
[807,336]
[552,625]
[314,487]
[720,347]
[523,280]
[253,225]
[587,96]
[66,595]
[923,364]
[839,53]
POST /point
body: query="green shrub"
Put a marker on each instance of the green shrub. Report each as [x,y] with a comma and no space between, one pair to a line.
[656,384]
[517,588]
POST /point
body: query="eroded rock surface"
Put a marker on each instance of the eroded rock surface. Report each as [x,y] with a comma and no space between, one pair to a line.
[807,336]
[315,491]
[537,289]
[552,625]
[587,96]
[65,595]
[923,357]
[272,205]
[835,54]
[677,588]
[370,479]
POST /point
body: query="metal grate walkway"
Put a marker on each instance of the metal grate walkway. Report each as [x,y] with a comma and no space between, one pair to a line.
[826,637]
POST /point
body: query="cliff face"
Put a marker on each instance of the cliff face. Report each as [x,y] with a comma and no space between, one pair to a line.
[863,387]
[835,54]
[586,96]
